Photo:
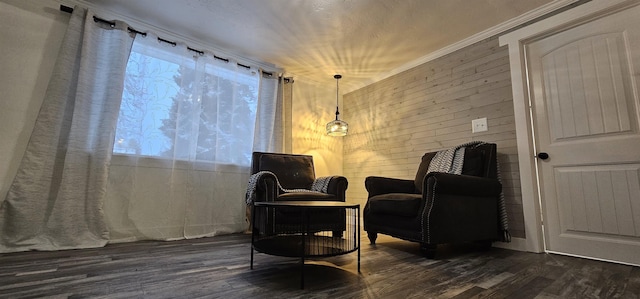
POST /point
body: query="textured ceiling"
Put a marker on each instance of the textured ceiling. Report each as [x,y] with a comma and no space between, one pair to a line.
[315,39]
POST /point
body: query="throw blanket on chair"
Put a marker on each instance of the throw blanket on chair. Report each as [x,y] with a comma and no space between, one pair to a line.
[320,185]
[451,161]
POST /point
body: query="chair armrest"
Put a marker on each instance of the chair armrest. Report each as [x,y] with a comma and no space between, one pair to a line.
[464,185]
[460,208]
[338,186]
[376,185]
[268,183]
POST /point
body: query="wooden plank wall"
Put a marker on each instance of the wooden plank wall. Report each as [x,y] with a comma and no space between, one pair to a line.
[393,122]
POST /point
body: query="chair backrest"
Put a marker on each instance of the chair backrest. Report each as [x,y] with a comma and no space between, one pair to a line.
[292,171]
[479,161]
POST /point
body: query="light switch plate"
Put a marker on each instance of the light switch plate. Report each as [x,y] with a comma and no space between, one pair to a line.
[479,125]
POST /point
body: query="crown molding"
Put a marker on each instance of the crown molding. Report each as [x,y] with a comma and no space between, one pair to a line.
[493,31]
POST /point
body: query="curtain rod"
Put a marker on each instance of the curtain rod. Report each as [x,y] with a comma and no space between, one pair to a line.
[68,9]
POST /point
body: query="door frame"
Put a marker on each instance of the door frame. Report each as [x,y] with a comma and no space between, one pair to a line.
[517,42]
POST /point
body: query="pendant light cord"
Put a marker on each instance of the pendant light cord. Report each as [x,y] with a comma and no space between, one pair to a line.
[337,77]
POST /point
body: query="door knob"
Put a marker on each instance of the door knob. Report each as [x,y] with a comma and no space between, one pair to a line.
[543,155]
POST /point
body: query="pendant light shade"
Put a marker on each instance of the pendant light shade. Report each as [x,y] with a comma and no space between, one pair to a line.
[337,127]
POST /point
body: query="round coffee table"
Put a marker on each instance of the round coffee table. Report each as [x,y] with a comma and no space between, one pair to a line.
[305,229]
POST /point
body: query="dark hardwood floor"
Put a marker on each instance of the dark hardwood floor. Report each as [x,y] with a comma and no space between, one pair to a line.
[218,267]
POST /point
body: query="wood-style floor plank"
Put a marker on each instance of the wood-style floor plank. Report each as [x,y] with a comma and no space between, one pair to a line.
[218,267]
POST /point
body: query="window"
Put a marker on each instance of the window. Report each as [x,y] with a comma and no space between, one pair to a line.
[186,106]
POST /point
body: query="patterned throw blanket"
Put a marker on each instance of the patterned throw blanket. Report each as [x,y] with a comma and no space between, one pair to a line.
[451,161]
[320,185]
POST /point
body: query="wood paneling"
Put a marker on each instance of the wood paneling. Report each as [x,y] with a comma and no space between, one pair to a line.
[428,108]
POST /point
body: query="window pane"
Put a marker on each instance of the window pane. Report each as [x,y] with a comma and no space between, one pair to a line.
[197,110]
[146,100]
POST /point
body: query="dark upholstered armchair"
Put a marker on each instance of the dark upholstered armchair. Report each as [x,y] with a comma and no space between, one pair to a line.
[438,207]
[289,177]
[294,173]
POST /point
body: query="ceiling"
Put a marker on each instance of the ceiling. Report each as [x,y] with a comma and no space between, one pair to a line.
[314,39]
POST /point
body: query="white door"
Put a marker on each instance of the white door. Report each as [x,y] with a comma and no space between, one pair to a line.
[584,92]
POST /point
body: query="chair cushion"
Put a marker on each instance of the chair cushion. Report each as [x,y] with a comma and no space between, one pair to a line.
[473,162]
[399,204]
[306,196]
[473,165]
[292,171]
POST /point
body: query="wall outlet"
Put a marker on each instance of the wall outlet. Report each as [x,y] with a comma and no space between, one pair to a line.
[479,125]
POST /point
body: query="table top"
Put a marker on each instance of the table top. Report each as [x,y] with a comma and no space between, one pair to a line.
[307,204]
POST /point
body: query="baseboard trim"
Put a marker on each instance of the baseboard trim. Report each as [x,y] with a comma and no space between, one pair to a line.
[518,244]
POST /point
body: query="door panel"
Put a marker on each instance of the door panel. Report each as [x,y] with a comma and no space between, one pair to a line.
[579,188]
[584,91]
[588,87]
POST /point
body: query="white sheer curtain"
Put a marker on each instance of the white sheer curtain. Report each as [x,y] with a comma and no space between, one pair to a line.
[55,201]
[184,141]
[269,132]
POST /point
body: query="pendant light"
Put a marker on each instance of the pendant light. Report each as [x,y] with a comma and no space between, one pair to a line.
[337,127]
